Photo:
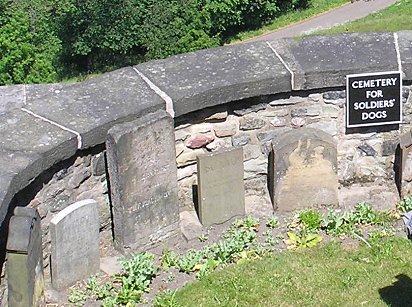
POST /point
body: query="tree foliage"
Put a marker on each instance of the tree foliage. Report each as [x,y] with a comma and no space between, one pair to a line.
[44,40]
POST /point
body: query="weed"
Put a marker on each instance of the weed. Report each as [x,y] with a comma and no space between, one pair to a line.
[165,299]
[137,274]
[302,240]
[273,222]
[405,205]
[311,219]
[203,238]
[169,259]
[77,296]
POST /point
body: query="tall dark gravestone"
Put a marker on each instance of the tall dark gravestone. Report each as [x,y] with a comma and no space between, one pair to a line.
[221,192]
[25,259]
[143,181]
[373,99]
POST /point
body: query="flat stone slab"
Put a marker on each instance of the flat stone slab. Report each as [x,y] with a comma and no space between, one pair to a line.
[221,191]
[28,146]
[11,97]
[143,178]
[74,234]
[405,50]
[215,76]
[324,61]
[92,107]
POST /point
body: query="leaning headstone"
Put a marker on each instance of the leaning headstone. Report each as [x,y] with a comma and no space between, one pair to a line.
[74,234]
[221,191]
[25,259]
[303,170]
[143,181]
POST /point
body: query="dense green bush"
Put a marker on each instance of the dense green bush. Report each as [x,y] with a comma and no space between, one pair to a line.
[44,40]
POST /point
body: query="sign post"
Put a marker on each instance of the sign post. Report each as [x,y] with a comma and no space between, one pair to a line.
[373,99]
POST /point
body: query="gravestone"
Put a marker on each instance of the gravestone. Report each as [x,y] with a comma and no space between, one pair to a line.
[25,259]
[74,234]
[143,179]
[221,191]
[403,171]
[303,170]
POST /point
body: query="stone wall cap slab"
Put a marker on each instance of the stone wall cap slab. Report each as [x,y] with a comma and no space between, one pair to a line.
[93,106]
[23,132]
[11,97]
[405,51]
[215,76]
[324,61]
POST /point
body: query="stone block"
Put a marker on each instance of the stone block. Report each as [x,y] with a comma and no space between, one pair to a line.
[25,259]
[324,61]
[92,107]
[143,179]
[210,77]
[221,193]
[11,97]
[303,170]
[405,50]
[74,235]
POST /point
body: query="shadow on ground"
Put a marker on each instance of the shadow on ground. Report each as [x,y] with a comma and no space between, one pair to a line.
[399,294]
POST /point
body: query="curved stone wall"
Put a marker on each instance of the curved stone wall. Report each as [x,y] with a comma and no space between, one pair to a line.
[41,125]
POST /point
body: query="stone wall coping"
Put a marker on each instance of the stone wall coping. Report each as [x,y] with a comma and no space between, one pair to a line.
[41,125]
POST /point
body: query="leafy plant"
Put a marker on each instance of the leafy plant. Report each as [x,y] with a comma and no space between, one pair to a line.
[165,299]
[77,296]
[169,259]
[137,274]
[405,205]
[311,219]
[337,224]
[302,240]
[273,222]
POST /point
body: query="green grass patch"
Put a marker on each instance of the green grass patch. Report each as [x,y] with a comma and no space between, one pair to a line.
[330,275]
[394,18]
[316,7]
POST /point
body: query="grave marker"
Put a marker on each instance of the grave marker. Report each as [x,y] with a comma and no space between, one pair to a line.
[25,259]
[221,192]
[74,234]
[303,170]
[143,179]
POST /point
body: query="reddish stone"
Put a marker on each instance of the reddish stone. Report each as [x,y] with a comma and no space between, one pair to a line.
[199,140]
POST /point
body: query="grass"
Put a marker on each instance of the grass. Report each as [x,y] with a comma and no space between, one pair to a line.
[394,18]
[330,275]
[316,7]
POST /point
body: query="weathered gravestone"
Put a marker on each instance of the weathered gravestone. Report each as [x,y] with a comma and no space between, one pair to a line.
[74,234]
[25,259]
[303,170]
[221,192]
[143,179]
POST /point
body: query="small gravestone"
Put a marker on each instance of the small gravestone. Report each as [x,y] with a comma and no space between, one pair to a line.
[221,191]
[74,234]
[303,170]
[25,259]
[143,179]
